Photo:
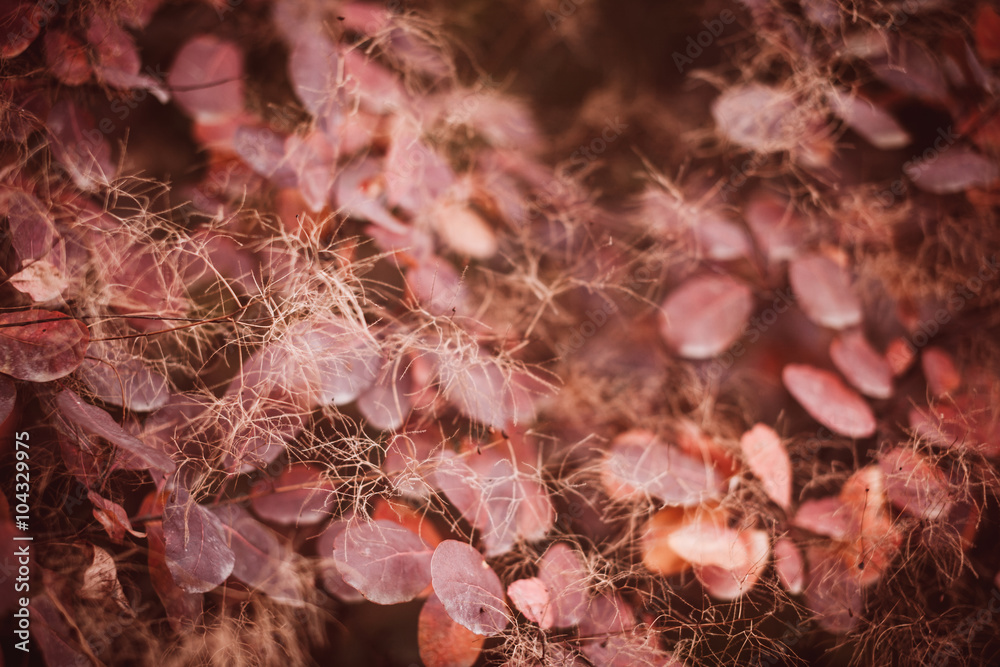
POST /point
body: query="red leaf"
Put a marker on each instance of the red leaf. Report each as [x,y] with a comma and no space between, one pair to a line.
[206,79]
[705,315]
[469,588]
[95,421]
[566,576]
[66,56]
[864,367]
[824,291]
[728,561]
[939,369]
[387,563]
[197,545]
[768,460]
[915,484]
[442,641]
[309,504]
[828,401]
[638,465]
[112,516]
[80,146]
[22,22]
[8,397]
[987,33]
[531,598]
[261,560]
[53,634]
[36,349]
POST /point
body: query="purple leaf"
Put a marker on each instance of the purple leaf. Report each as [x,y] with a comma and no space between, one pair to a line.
[261,560]
[469,588]
[197,545]
[95,421]
[387,563]
[41,345]
[824,291]
[82,149]
[705,315]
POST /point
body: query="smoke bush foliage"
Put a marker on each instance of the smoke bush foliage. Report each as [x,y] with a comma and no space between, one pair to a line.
[320,340]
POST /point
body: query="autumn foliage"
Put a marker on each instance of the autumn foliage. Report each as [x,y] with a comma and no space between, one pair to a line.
[342,333]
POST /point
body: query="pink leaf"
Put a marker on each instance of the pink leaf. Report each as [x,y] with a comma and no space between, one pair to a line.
[206,79]
[868,120]
[261,560]
[639,464]
[939,369]
[833,593]
[759,117]
[94,421]
[463,230]
[308,499]
[378,89]
[705,315]
[777,227]
[330,574]
[118,378]
[861,364]
[916,485]
[826,516]
[729,562]
[81,148]
[387,403]
[482,388]
[312,160]
[789,565]
[197,545]
[442,641]
[955,170]
[824,291]
[41,280]
[505,504]
[41,345]
[768,460]
[531,598]
[360,193]
[828,401]
[387,563]
[415,174]
[566,577]
[312,67]
[469,588]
